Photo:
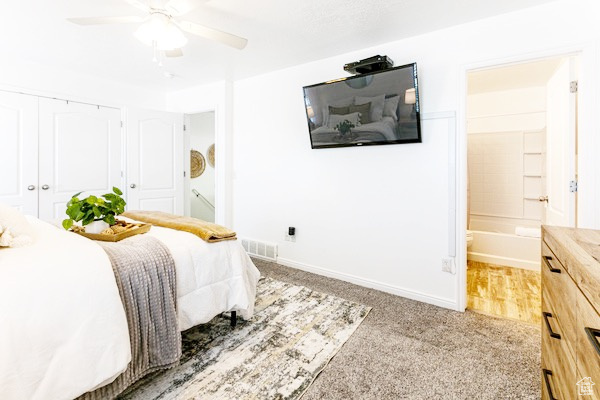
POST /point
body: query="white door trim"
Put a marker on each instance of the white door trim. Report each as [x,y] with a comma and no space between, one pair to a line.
[586,103]
[221,161]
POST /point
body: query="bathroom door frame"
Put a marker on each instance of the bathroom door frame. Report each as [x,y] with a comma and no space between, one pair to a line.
[219,178]
[585,117]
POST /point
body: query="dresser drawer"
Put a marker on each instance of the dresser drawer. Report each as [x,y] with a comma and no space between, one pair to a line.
[559,297]
[553,386]
[557,357]
[588,345]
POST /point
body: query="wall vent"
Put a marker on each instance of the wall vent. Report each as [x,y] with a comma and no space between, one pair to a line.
[264,250]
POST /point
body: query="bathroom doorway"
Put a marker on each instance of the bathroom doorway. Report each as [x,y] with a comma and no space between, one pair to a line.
[200,157]
[521,167]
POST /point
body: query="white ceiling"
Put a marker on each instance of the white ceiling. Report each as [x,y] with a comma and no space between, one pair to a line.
[280,33]
[515,76]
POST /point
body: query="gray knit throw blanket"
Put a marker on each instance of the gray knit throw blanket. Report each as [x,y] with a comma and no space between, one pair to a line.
[145,274]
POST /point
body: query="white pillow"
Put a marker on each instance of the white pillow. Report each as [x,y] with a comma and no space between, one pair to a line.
[15,230]
[376,105]
[390,107]
[337,103]
[335,119]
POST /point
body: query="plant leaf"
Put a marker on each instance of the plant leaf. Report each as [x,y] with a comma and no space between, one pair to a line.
[117,191]
[87,219]
[91,200]
[67,223]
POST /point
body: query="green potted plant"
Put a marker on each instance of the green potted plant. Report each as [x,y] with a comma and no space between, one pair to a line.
[344,127]
[95,213]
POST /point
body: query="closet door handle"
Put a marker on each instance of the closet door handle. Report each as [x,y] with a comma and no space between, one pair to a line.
[547,260]
[132,186]
[45,187]
[552,333]
[593,335]
[547,373]
[31,187]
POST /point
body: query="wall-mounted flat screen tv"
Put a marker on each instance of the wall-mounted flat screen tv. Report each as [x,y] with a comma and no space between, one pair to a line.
[376,108]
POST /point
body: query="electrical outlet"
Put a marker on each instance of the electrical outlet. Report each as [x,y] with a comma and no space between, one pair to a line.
[448,265]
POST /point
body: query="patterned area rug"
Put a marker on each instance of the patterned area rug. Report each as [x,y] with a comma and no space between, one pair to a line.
[276,355]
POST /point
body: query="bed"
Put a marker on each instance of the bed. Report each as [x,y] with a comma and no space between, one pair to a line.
[379,131]
[63,330]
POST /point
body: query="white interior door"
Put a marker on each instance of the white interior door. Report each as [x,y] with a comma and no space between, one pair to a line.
[19,151]
[155,161]
[561,125]
[80,150]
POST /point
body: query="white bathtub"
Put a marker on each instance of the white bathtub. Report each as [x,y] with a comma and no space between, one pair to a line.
[495,242]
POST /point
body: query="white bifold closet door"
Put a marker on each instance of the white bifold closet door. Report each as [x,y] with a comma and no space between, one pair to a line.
[19,151]
[80,150]
[154,161]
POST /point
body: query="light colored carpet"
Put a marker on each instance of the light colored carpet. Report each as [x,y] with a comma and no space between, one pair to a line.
[410,350]
[276,355]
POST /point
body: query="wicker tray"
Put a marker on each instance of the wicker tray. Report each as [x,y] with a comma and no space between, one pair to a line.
[140,228]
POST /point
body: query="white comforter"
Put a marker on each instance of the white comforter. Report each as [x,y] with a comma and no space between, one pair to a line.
[63,329]
[62,326]
[211,277]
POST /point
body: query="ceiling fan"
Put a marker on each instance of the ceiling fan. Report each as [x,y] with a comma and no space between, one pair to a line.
[161,27]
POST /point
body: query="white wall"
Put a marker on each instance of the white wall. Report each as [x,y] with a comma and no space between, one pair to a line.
[24,77]
[378,215]
[202,135]
[507,110]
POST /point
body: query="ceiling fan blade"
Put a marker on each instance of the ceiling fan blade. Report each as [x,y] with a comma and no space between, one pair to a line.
[180,7]
[213,34]
[174,53]
[138,4]
[105,20]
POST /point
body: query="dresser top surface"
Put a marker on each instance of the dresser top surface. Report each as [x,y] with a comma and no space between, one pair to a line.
[584,243]
[578,250]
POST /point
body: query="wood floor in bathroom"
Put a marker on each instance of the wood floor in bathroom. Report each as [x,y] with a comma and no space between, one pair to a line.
[504,291]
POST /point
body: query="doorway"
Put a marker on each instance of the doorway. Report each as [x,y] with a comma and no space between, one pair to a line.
[521,162]
[201,153]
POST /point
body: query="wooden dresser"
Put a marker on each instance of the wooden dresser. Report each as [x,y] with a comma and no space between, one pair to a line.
[570,313]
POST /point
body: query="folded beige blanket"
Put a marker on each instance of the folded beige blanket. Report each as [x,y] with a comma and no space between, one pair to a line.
[206,231]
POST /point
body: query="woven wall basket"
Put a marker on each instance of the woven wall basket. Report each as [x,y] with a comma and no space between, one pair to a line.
[198,164]
[210,154]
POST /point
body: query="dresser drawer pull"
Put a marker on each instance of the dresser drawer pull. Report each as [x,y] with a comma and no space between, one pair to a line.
[547,260]
[552,333]
[547,372]
[593,335]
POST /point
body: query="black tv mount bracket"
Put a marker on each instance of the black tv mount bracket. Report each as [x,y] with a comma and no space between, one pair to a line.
[368,65]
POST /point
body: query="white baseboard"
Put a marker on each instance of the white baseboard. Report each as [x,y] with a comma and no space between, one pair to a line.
[371,284]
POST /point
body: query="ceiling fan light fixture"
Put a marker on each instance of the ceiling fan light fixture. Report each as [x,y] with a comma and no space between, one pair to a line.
[161,32]
[171,39]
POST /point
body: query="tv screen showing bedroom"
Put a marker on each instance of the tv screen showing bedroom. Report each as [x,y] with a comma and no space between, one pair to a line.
[368,109]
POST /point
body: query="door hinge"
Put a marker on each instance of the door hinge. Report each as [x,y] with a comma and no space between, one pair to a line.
[184,174]
[573,186]
[184,128]
[574,86]
[121,124]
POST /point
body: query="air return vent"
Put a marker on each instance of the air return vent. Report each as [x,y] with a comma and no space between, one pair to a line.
[254,248]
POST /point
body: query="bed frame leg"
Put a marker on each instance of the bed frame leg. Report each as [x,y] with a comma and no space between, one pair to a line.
[233,321]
